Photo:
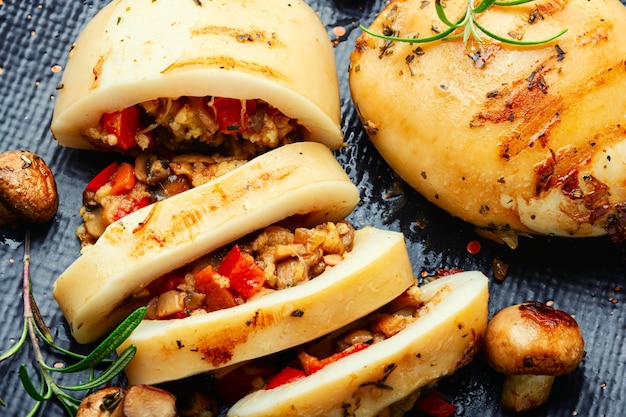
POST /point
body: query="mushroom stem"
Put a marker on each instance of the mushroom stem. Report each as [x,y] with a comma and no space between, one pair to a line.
[525,392]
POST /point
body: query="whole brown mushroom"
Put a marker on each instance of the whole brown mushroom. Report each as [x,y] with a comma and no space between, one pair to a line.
[28,190]
[101,403]
[532,343]
[136,401]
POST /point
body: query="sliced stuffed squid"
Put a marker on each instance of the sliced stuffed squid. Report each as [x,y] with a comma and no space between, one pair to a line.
[280,310]
[514,139]
[300,184]
[236,78]
[383,362]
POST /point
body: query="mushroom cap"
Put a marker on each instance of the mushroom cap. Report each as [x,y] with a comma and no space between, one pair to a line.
[27,187]
[533,339]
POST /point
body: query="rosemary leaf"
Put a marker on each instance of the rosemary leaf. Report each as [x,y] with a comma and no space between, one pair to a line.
[17,346]
[108,345]
[33,411]
[59,349]
[483,6]
[70,407]
[113,370]
[30,388]
[442,16]
[512,2]
[471,28]
[44,330]
[35,327]
[516,42]
[437,37]
[70,403]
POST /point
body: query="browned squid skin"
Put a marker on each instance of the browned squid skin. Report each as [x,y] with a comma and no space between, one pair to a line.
[529,139]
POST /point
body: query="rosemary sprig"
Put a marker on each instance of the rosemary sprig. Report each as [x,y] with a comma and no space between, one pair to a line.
[467,26]
[48,388]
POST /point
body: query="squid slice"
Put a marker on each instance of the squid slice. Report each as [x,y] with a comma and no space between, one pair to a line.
[302,179]
[376,271]
[444,337]
[277,51]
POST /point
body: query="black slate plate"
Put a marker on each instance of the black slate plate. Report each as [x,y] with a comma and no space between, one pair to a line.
[583,277]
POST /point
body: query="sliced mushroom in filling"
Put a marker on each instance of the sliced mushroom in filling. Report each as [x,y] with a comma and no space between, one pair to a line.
[273,259]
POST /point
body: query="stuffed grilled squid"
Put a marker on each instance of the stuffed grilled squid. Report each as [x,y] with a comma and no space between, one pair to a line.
[191,90]
[229,76]
[301,182]
[256,261]
[515,139]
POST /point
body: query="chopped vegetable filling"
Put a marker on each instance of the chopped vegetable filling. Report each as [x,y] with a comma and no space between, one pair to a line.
[120,189]
[276,258]
[225,125]
[216,135]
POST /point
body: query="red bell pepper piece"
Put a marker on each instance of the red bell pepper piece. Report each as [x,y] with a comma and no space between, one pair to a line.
[246,277]
[124,180]
[217,297]
[123,124]
[440,273]
[435,406]
[180,315]
[101,178]
[130,205]
[230,115]
[311,364]
[171,283]
[285,376]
